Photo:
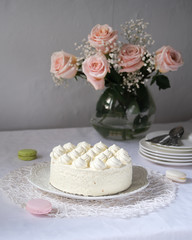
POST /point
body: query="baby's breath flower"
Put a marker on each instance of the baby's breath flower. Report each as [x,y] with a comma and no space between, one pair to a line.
[57,81]
[134,33]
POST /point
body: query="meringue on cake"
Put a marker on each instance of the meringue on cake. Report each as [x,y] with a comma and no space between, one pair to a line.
[90,170]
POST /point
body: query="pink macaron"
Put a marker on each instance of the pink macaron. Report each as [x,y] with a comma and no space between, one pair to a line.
[38,206]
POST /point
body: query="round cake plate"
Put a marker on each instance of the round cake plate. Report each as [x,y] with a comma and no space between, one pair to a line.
[39,177]
[163,151]
[170,158]
[163,162]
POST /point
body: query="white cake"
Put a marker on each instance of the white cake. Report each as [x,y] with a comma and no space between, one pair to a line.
[90,170]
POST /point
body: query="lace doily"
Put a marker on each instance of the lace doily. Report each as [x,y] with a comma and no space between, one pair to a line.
[159,193]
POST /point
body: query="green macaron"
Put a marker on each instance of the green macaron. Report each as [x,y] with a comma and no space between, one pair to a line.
[27,154]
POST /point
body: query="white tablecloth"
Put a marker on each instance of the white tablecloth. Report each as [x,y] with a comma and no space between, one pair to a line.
[172,222]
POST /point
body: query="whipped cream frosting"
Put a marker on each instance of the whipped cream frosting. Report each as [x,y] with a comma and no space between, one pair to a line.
[113,162]
[108,153]
[81,150]
[102,157]
[97,150]
[68,147]
[57,152]
[98,157]
[97,164]
[73,154]
[86,158]
[84,144]
[91,153]
[123,156]
[114,148]
[65,159]
[79,163]
[101,145]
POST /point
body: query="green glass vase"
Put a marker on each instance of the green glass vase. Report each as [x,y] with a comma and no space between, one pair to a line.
[122,115]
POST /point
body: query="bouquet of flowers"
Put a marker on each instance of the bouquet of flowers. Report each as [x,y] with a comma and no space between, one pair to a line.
[105,60]
[122,67]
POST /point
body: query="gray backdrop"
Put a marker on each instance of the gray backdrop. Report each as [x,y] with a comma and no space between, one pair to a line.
[32,29]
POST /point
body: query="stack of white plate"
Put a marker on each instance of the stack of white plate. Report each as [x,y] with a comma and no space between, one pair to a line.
[166,155]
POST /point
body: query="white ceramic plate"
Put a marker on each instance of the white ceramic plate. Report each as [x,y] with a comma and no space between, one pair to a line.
[186,142]
[151,159]
[39,177]
[166,159]
[167,151]
[175,157]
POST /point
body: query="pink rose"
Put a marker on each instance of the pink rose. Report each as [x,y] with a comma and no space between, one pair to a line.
[167,59]
[130,58]
[95,68]
[63,65]
[103,38]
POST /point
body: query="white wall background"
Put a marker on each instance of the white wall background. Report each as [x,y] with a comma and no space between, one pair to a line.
[32,29]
